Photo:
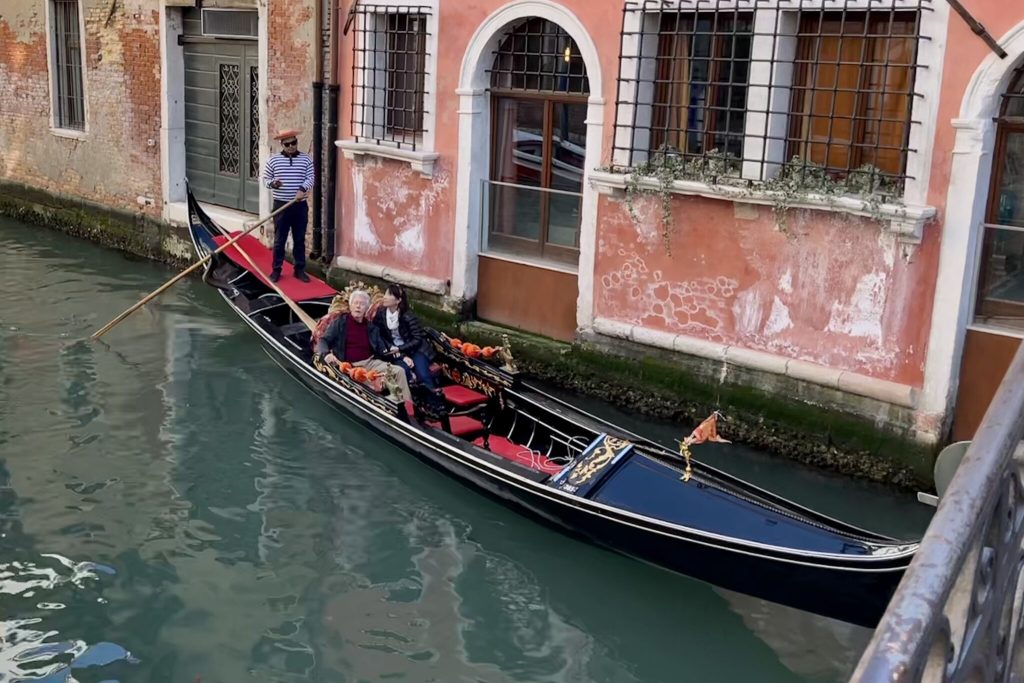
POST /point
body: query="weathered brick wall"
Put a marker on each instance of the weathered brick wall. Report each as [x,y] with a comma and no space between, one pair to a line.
[291,27]
[118,159]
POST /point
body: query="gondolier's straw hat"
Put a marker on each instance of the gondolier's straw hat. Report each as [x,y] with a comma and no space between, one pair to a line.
[287,133]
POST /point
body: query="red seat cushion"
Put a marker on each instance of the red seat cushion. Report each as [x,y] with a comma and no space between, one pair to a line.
[264,260]
[461,396]
[520,454]
[462,425]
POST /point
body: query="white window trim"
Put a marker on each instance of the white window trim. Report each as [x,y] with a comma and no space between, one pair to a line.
[72,133]
[906,220]
[423,158]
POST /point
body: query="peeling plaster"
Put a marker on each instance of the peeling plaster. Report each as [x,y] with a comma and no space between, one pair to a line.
[778,319]
[831,292]
[862,315]
[394,208]
[366,237]
[786,281]
[696,306]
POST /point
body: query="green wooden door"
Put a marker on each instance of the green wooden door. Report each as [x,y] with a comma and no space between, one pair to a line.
[222,123]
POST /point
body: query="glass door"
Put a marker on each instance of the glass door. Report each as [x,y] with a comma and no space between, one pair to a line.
[534,195]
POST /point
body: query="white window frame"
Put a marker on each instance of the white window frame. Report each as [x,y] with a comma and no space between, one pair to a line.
[906,219]
[423,158]
[51,66]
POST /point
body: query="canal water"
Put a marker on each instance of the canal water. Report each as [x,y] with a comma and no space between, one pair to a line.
[174,508]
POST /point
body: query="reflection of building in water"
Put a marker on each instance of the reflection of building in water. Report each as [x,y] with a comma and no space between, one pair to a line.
[239,597]
[815,648]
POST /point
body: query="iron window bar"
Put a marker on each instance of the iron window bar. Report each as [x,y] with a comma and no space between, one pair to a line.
[67,52]
[738,91]
[539,56]
[389,73]
[1011,109]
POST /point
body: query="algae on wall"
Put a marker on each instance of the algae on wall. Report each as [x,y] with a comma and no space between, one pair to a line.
[134,234]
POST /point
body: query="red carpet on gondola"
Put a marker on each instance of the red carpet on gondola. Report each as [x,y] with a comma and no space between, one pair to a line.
[264,260]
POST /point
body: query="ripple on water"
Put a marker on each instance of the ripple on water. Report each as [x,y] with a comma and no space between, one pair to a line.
[35,646]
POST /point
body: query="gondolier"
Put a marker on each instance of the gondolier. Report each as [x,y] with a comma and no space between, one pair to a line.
[289,174]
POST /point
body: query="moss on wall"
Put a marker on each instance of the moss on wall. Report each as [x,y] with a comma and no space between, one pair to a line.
[132,234]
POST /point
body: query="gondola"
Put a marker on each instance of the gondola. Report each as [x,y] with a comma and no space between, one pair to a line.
[554,462]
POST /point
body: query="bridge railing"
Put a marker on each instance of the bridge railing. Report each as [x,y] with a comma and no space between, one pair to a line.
[958,614]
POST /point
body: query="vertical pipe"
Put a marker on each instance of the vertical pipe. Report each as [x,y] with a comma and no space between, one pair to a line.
[318,131]
[332,129]
[318,156]
[332,166]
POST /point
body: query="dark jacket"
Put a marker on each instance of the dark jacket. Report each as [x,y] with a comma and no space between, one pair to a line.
[414,339]
[334,339]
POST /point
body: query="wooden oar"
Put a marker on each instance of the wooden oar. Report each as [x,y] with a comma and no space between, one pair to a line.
[167,285]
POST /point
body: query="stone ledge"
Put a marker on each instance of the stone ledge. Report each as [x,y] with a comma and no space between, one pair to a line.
[906,222]
[422,162]
[387,274]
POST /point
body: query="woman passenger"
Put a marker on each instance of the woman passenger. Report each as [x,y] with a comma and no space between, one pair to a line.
[402,333]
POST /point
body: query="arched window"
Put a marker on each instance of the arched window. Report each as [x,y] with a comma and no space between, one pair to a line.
[539,90]
[1000,300]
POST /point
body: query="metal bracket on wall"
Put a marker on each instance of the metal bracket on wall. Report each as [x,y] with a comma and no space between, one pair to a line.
[351,16]
[978,28]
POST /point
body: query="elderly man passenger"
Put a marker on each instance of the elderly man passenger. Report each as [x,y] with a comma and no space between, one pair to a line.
[354,339]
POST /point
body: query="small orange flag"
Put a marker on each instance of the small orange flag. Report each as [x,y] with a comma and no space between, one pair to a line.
[705,431]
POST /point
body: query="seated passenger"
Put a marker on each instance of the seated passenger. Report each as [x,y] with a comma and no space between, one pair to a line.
[403,336]
[352,338]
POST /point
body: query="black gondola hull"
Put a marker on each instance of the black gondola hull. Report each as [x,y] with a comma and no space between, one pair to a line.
[850,587]
[851,595]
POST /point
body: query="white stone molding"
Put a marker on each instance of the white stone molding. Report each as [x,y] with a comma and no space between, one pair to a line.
[474,143]
[421,282]
[172,109]
[966,203]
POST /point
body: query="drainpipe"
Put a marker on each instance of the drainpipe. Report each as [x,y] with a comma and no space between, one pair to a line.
[318,133]
[332,134]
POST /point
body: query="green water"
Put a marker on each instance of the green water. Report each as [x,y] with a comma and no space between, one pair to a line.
[173,507]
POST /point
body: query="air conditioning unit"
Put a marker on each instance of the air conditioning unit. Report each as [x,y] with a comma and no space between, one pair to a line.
[230,23]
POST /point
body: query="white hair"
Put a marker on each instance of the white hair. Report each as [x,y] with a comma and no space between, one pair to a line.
[358,294]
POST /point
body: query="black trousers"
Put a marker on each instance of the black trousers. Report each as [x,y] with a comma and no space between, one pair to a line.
[294,220]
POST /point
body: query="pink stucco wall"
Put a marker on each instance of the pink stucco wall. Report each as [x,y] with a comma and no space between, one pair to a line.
[831,289]
[834,290]
[839,291]
[387,213]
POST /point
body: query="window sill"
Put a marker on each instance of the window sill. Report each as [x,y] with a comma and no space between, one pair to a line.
[533,262]
[71,133]
[906,222]
[423,162]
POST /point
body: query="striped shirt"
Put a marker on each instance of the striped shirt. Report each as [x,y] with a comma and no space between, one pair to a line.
[295,173]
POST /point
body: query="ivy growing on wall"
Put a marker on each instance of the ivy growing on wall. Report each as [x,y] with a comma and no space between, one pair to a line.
[796,182]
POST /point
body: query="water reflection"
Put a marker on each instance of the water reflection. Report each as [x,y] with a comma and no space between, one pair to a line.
[173,506]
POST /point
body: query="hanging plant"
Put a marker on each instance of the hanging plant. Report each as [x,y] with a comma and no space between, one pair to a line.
[797,181]
[668,165]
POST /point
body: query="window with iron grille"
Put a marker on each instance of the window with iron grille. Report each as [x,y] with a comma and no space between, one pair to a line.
[744,89]
[66,60]
[389,74]
[538,56]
